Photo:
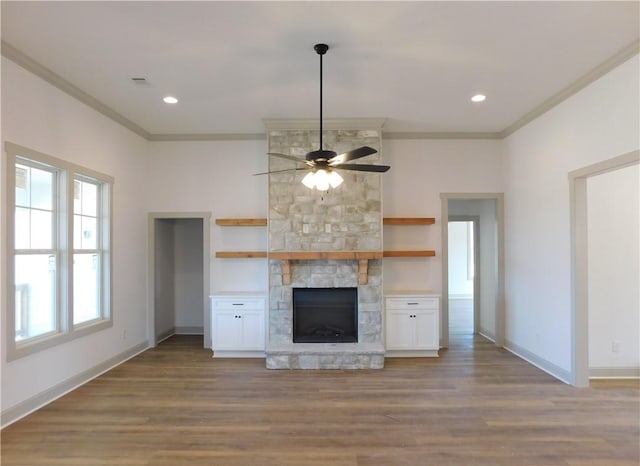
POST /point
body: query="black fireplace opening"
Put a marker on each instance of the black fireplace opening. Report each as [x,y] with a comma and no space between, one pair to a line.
[325,315]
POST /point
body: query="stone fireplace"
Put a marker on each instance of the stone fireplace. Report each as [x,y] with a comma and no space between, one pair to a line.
[324,240]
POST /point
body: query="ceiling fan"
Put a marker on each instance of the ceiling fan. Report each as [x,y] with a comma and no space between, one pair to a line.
[323,163]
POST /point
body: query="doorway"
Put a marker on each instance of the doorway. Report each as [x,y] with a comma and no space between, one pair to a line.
[588,289]
[485,212]
[463,282]
[178,276]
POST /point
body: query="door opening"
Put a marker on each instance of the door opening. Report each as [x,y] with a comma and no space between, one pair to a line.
[486,264]
[178,276]
[587,288]
[462,277]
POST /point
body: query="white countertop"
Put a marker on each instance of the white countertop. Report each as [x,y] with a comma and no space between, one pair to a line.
[392,293]
[247,294]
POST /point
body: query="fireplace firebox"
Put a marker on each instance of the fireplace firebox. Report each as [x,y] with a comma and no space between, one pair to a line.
[325,315]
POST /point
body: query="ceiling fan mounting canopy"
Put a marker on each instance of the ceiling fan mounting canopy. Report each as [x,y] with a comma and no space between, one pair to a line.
[321,48]
[328,160]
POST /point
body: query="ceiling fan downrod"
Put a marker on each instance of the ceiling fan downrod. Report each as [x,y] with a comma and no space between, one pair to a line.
[321,49]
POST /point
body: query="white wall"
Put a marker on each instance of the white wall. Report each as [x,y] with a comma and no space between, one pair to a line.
[216,177]
[598,123]
[614,268]
[420,171]
[40,117]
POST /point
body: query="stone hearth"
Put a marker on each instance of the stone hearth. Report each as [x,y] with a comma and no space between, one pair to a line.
[348,218]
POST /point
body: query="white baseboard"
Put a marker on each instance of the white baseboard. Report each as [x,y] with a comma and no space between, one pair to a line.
[486,334]
[614,372]
[22,409]
[453,297]
[542,364]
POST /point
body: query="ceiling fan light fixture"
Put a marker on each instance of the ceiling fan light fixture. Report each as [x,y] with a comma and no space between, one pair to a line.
[309,180]
[321,179]
[335,179]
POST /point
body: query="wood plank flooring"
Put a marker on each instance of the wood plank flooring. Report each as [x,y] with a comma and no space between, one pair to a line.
[475,405]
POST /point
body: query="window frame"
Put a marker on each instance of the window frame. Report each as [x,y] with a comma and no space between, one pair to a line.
[65,174]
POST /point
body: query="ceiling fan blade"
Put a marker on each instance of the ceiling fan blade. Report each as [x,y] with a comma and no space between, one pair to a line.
[361,167]
[281,171]
[290,157]
[352,155]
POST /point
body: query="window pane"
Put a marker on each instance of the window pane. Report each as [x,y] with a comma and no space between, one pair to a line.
[41,229]
[41,189]
[84,231]
[85,198]
[86,294]
[22,184]
[35,295]
[22,228]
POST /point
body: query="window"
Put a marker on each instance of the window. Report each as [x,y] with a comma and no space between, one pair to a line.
[59,250]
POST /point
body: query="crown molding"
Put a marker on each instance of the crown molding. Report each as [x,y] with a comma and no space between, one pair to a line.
[440,135]
[29,64]
[281,124]
[207,137]
[592,76]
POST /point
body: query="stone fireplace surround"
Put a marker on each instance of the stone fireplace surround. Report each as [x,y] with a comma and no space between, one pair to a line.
[304,222]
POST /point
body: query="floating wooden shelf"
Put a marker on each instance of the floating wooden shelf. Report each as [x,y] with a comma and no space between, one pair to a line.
[241,254]
[421,253]
[408,220]
[241,222]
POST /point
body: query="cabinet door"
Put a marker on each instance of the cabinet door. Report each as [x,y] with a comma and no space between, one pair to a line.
[401,329]
[227,330]
[427,329]
[253,330]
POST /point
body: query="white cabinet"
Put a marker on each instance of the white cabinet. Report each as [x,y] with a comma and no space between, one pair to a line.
[412,322]
[238,324]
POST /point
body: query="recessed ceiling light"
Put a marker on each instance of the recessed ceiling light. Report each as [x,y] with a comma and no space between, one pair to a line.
[478,98]
[170,100]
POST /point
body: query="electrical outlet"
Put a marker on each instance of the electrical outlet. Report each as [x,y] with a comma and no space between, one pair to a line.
[305,228]
[327,228]
[615,346]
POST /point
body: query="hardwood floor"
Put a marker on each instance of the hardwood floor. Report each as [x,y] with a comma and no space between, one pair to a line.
[475,405]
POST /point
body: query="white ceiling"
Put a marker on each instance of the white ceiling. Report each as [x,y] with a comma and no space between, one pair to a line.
[232,64]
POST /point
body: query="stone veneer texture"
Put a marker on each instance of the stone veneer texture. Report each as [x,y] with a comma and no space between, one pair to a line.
[347,218]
